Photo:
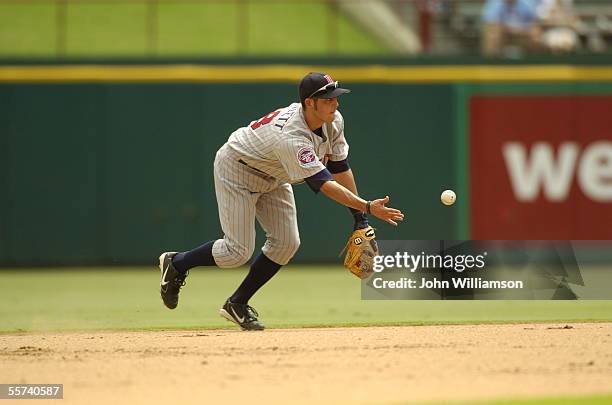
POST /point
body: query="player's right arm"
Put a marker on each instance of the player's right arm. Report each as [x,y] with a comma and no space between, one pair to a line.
[300,162]
[344,196]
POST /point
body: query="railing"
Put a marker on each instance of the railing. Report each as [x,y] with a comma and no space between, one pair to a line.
[442,26]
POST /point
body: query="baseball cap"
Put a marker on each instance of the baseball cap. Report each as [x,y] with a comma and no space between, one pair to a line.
[320,85]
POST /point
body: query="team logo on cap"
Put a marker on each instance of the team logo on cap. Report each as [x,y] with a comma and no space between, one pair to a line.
[307,157]
[328,78]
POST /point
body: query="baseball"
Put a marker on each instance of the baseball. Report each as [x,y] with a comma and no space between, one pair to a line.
[448,197]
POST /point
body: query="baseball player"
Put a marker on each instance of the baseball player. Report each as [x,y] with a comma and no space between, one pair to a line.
[253,173]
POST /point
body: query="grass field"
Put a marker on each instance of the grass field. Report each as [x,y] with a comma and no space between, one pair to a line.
[128,298]
[212,28]
[98,327]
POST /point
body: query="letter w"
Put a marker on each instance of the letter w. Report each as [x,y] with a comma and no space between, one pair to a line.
[541,170]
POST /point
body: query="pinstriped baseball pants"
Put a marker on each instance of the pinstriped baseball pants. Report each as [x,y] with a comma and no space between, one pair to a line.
[244,195]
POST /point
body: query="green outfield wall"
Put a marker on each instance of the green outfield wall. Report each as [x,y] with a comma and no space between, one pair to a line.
[113,164]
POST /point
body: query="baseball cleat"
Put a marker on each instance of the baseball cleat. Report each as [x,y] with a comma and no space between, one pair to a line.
[242,315]
[171,280]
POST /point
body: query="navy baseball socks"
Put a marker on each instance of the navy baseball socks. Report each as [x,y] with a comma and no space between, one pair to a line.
[175,267]
[262,270]
[200,256]
[236,308]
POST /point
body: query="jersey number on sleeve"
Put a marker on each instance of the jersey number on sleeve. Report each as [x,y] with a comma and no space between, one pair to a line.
[264,120]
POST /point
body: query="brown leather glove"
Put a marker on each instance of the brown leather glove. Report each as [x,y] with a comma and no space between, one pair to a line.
[360,251]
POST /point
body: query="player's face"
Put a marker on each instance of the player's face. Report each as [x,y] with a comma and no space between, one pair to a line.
[325,108]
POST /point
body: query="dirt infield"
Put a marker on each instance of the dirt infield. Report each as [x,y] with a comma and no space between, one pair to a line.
[299,366]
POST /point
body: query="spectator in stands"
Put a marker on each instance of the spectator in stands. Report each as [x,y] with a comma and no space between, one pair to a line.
[510,22]
[559,24]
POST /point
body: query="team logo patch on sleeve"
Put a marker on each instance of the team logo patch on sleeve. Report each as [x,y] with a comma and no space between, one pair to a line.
[306,157]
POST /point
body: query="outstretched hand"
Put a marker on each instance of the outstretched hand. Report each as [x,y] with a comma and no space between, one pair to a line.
[387,214]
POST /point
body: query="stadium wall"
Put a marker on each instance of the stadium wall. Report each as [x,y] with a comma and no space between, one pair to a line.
[112,164]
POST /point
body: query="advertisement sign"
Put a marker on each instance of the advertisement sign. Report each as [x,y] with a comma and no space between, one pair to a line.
[541,167]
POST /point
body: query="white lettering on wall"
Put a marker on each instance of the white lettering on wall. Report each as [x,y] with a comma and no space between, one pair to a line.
[540,170]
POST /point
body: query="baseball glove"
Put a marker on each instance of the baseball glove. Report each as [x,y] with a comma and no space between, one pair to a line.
[360,251]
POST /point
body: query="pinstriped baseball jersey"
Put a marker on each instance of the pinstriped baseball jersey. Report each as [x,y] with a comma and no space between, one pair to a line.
[282,146]
[252,171]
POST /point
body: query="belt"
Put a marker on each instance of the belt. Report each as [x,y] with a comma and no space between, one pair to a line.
[252,168]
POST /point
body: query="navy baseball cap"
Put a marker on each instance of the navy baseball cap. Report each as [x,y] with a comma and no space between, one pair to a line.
[320,85]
